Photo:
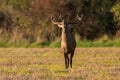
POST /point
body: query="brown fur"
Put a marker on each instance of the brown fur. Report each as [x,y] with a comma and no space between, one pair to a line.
[68,43]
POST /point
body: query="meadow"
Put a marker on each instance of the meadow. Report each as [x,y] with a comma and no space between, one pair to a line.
[48,64]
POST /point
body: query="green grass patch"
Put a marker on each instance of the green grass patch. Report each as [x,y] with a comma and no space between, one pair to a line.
[40,45]
[55,44]
[103,42]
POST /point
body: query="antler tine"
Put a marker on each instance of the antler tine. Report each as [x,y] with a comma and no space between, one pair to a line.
[79,18]
[53,21]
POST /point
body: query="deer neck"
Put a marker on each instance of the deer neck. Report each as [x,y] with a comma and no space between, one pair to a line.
[65,34]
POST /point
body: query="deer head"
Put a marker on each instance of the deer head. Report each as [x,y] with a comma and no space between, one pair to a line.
[59,24]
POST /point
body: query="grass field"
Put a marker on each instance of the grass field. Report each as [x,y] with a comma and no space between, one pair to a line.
[48,64]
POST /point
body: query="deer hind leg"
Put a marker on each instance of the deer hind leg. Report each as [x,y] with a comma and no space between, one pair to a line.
[71,56]
[66,60]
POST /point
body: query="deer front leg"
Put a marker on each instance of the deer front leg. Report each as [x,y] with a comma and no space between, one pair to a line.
[66,60]
[71,56]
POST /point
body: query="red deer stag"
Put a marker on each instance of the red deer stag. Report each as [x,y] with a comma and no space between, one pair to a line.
[68,43]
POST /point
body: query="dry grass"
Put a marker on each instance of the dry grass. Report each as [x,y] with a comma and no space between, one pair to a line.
[48,64]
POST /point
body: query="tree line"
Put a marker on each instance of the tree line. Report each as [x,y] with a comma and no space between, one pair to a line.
[29,20]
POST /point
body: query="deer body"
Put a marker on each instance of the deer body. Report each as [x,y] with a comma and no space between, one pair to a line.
[68,43]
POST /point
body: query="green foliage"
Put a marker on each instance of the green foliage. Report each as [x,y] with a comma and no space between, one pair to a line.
[55,44]
[40,45]
[103,42]
[30,21]
[19,4]
[116,10]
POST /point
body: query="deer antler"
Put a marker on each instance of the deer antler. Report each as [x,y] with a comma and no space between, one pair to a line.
[60,24]
[53,21]
[79,18]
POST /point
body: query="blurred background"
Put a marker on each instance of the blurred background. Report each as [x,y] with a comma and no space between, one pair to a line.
[26,23]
